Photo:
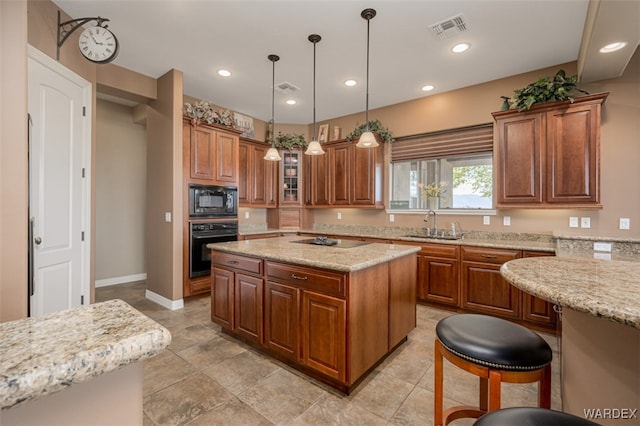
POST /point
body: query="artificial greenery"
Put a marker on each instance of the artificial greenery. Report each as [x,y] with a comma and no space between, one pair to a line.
[374,127]
[289,141]
[546,89]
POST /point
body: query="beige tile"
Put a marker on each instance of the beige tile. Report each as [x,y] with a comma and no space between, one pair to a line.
[409,362]
[232,413]
[191,335]
[335,410]
[164,370]
[242,371]
[382,395]
[182,402]
[211,352]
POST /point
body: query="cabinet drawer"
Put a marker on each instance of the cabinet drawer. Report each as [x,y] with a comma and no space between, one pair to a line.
[322,281]
[247,264]
[440,250]
[488,255]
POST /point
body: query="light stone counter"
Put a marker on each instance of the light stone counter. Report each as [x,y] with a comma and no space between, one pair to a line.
[284,249]
[605,289]
[42,355]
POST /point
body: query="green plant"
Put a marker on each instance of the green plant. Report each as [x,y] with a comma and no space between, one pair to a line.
[374,127]
[546,89]
[290,140]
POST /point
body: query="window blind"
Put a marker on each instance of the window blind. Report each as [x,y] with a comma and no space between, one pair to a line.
[446,143]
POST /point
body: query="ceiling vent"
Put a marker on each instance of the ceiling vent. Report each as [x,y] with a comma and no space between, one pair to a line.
[448,27]
[286,88]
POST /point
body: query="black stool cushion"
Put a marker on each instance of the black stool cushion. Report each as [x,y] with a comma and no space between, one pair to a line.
[493,342]
[531,416]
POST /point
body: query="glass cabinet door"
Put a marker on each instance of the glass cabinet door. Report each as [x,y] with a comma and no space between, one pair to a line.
[291,190]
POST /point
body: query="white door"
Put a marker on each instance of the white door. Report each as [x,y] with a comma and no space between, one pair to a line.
[59,208]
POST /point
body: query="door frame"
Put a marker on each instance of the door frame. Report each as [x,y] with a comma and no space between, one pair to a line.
[87,124]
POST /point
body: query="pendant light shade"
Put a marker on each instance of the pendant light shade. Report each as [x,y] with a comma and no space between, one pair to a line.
[367,138]
[272,153]
[314,147]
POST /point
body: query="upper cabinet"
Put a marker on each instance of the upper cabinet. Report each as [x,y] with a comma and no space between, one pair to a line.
[257,177]
[212,153]
[345,176]
[549,156]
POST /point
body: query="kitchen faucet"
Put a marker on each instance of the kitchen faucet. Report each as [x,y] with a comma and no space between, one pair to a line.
[433,231]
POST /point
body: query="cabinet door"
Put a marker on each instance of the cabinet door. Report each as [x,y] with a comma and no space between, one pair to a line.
[339,161]
[535,309]
[518,158]
[572,154]
[222,286]
[248,307]
[226,157]
[484,290]
[438,280]
[258,186]
[323,326]
[319,180]
[202,147]
[245,174]
[366,176]
[281,319]
[291,178]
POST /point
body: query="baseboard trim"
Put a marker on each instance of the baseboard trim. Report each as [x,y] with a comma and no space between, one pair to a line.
[163,301]
[121,280]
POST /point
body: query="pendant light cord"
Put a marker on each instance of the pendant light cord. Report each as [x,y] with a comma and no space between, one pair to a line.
[366,118]
[315,134]
[273,59]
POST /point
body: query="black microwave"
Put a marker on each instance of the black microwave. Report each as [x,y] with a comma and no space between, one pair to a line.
[213,201]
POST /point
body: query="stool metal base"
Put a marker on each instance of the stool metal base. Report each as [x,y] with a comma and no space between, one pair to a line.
[490,382]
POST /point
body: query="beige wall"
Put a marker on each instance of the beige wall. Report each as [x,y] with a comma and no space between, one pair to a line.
[121,186]
[13,160]
[620,153]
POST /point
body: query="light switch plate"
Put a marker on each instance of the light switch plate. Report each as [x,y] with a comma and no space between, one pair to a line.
[602,247]
[392,218]
[167,216]
[506,221]
[585,222]
[573,222]
[625,223]
[486,220]
[339,215]
[246,215]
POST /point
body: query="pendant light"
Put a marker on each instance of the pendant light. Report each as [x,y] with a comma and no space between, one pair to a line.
[314,147]
[272,153]
[367,139]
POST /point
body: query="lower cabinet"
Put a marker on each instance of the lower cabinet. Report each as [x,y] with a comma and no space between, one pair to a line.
[535,309]
[222,297]
[438,274]
[281,308]
[248,306]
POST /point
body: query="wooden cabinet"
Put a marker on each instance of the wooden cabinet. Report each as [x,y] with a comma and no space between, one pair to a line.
[483,288]
[345,176]
[281,313]
[535,309]
[549,156]
[222,295]
[248,306]
[211,154]
[292,180]
[257,177]
[438,274]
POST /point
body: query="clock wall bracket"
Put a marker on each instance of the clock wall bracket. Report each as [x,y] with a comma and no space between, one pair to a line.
[66,28]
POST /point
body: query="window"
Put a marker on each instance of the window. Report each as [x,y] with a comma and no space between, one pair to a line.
[443,170]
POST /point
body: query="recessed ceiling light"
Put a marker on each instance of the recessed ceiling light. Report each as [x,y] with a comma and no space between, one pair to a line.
[612,47]
[291,102]
[427,88]
[224,73]
[460,47]
[350,83]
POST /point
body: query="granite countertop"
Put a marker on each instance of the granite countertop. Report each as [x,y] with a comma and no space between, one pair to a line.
[284,249]
[608,289]
[517,241]
[43,355]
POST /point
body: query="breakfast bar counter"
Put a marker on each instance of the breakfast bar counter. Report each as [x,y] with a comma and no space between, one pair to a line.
[600,305]
[56,368]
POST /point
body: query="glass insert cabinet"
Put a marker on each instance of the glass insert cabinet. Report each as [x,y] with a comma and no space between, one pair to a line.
[291,173]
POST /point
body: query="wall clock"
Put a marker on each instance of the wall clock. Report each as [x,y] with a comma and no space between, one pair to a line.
[98,45]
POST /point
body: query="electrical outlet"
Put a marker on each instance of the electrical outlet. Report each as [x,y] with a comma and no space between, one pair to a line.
[339,215]
[392,218]
[602,247]
[625,223]
[573,222]
[167,217]
[506,221]
[486,220]
[585,222]
[246,215]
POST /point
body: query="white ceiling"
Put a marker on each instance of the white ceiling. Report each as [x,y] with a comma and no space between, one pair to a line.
[199,37]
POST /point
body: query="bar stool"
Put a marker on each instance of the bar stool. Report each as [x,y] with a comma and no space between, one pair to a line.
[496,351]
[531,416]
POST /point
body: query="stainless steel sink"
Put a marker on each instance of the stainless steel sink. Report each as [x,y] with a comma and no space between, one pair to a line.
[434,237]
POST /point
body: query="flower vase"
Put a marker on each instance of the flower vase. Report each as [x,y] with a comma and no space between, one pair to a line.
[432,203]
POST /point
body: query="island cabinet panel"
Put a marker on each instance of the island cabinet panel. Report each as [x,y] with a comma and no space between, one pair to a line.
[323,325]
[222,288]
[402,297]
[248,306]
[535,309]
[320,280]
[483,288]
[281,312]
[439,267]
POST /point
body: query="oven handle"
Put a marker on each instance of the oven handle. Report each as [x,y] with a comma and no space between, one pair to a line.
[202,236]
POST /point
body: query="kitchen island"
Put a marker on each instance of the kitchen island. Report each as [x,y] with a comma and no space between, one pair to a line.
[331,311]
[78,366]
[600,301]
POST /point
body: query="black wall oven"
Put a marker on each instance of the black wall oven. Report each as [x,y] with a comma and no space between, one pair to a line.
[210,201]
[203,233]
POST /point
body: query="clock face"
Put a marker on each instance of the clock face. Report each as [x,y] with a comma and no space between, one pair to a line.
[98,45]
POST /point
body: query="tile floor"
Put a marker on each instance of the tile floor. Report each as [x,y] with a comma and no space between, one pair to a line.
[208,378]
